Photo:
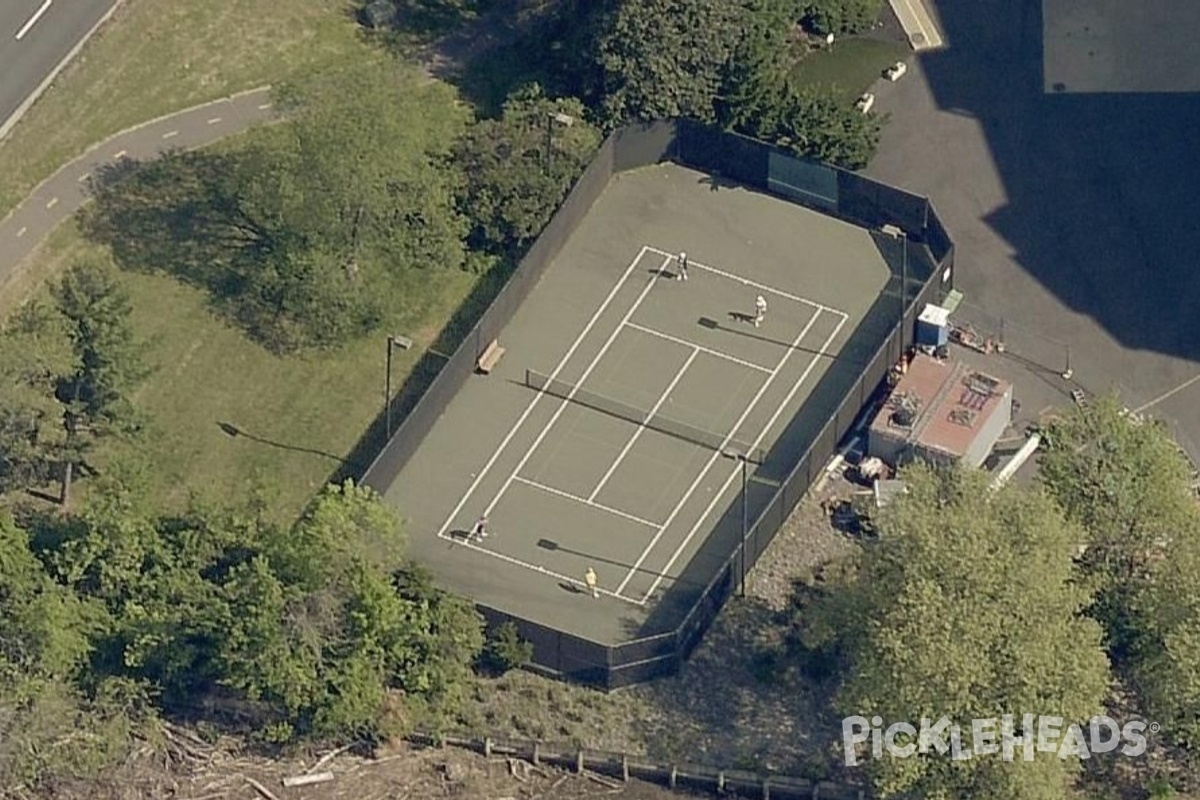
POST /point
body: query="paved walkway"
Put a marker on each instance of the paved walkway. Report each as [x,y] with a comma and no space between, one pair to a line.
[918,25]
[64,192]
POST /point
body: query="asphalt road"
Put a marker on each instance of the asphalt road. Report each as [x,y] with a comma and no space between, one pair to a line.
[63,193]
[37,38]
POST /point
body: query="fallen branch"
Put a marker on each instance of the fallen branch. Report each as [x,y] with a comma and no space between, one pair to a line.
[308,779]
[325,759]
[258,787]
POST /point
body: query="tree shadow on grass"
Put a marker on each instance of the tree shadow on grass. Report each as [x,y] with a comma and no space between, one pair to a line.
[174,216]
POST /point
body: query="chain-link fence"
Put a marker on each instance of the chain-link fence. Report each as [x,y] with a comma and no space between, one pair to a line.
[877,341]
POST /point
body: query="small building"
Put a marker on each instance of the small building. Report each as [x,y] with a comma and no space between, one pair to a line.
[941,411]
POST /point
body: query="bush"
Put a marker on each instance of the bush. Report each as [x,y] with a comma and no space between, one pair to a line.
[505,650]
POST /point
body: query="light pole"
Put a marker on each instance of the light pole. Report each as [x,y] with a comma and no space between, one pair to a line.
[744,460]
[896,232]
[403,342]
[566,120]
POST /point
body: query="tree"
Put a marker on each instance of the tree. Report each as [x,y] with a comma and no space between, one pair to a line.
[34,357]
[667,58]
[49,729]
[1129,487]
[317,630]
[841,16]
[964,609]
[345,203]
[520,167]
[109,360]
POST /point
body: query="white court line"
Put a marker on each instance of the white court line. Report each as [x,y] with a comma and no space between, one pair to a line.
[577,499]
[654,278]
[538,397]
[214,120]
[33,20]
[642,427]
[540,569]
[169,134]
[701,348]
[761,286]
[717,454]
[734,473]
[53,202]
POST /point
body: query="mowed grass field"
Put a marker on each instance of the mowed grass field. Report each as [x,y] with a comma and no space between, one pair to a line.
[851,65]
[297,417]
[156,57]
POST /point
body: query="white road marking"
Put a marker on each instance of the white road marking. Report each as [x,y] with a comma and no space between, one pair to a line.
[21,232]
[121,154]
[33,20]
[53,202]
[84,176]
[264,106]
[1167,395]
[746,282]
[169,134]
[214,120]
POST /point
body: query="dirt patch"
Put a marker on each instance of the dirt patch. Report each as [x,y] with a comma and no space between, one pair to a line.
[732,706]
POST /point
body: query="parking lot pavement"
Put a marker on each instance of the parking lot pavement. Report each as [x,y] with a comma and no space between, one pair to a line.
[1073,214]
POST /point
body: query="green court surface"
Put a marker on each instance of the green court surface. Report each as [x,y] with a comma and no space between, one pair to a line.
[597,442]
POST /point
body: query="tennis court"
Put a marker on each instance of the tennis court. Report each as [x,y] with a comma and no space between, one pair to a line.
[608,436]
[646,426]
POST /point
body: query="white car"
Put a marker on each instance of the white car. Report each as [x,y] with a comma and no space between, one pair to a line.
[865,103]
[896,71]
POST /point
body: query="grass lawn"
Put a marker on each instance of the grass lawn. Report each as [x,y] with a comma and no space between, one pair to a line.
[298,416]
[157,57]
[851,65]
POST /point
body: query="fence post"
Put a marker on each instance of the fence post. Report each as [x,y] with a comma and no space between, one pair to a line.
[625,767]
[487,746]
[672,777]
[579,761]
[536,752]
[766,789]
[720,781]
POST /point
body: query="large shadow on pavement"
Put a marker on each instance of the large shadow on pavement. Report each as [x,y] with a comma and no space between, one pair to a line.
[1095,194]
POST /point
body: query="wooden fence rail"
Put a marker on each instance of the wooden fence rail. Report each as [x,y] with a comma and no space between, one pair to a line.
[622,767]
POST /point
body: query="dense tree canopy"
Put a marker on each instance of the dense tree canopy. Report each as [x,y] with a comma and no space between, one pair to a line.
[841,16]
[964,609]
[1130,488]
[520,167]
[667,58]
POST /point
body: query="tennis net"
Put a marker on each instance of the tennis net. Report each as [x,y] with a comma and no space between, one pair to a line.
[639,416]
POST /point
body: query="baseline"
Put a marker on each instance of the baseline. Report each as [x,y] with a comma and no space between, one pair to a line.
[747,282]
[538,568]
